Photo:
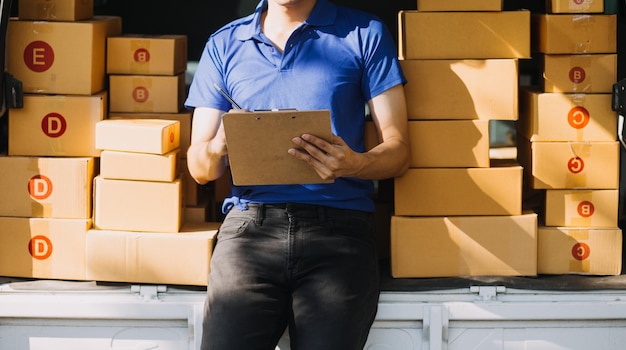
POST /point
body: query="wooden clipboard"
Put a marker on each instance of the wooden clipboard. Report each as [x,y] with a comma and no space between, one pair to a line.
[258,142]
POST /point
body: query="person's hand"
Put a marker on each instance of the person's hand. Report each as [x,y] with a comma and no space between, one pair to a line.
[330,160]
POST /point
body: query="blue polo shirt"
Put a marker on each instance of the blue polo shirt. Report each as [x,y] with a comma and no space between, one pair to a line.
[338,60]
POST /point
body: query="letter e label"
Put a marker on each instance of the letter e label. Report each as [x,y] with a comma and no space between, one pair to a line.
[38,56]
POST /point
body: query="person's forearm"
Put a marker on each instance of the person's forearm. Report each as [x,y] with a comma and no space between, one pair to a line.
[387,160]
[205,163]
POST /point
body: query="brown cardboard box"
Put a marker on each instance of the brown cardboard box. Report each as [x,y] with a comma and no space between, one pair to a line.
[156,136]
[449,143]
[582,208]
[579,73]
[51,187]
[151,257]
[142,206]
[185,124]
[464,246]
[582,250]
[464,35]
[55,10]
[191,189]
[43,247]
[146,93]
[139,166]
[44,55]
[575,165]
[459,5]
[462,89]
[56,125]
[147,54]
[574,34]
[553,116]
[459,191]
[575,6]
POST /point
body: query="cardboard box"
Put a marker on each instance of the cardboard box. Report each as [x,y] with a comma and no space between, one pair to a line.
[43,247]
[191,189]
[582,208]
[461,89]
[459,191]
[449,143]
[575,6]
[44,55]
[595,73]
[464,246]
[151,257]
[156,136]
[52,187]
[575,165]
[147,54]
[139,166]
[185,124]
[56,125]
[146,93]
[464,35]
[459,5]
[55,10]
[574,34]
[553,116]
[585,251]
[142,206]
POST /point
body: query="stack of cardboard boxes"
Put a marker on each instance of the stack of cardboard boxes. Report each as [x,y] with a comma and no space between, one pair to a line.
[567,139]
[57,51]
[147,81]
[455,212]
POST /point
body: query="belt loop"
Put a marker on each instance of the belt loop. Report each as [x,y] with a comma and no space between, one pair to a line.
[260,214]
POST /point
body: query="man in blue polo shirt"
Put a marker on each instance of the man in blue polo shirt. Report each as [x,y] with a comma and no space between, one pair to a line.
[299,256]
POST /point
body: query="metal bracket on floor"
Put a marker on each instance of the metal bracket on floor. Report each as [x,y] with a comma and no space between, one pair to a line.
[487,293]
[148,292]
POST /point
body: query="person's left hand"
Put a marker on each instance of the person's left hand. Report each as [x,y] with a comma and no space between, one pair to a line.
[329,160]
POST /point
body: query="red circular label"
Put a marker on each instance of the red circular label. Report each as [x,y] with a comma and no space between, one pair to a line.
[40,187]
[53,125]
[38,56]
[577,75]
[578,117]
[172,137]
[141,94]
[141,55]
[579,2]
[586,209]
[581,251]
[40,247]
[576,165]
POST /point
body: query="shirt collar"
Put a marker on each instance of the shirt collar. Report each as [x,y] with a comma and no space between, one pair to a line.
[324,13]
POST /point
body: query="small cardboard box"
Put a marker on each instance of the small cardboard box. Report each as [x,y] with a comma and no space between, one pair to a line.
[459,5]
[152,257]
[185,124]
[43,247]
[156,136]
[146,93]
[142,206]
[582,208]
[575,6]
[60,57]
[461,89]
[594,73]
[55,10]
[139,166]
[50,187]
[464,35]
[449,143]
[464,246]
[585,251]
[147,54]
[459,191]
[575,165]
[574,34]
[552,116]
[56,125]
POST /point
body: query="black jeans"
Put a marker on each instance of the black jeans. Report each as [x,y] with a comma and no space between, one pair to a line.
[311,268]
